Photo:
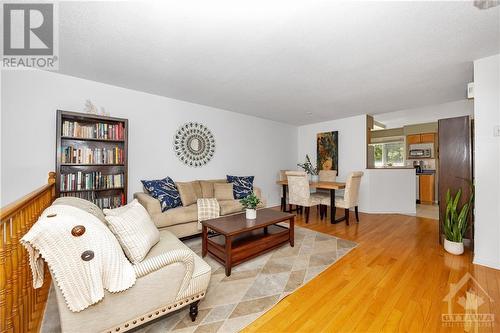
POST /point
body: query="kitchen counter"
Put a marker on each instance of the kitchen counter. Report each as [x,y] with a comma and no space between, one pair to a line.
[426,172]
[389,168]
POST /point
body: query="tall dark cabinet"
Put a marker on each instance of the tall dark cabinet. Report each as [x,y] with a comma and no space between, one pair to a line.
[456,160]
[91,158]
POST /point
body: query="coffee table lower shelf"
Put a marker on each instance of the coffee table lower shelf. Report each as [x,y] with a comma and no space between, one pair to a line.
[233,250]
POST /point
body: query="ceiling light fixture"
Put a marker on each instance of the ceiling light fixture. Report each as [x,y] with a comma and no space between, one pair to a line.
[486,4]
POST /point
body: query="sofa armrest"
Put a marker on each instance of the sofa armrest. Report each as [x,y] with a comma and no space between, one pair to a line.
[258,193]
[159,261]
[151,204]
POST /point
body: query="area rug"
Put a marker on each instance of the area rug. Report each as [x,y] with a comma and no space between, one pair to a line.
[253,288]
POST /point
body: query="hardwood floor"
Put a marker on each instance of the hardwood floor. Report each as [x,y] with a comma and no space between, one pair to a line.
[394,281]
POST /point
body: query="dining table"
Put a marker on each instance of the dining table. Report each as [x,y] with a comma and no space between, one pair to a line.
[331,186]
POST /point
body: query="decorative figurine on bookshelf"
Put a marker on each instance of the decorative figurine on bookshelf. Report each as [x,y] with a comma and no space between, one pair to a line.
[104,112]
[90,107]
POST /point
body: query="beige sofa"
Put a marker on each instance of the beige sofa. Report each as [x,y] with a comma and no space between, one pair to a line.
[157,292]
[182,221]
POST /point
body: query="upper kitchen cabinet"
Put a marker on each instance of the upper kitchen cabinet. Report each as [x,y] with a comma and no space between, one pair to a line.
[428,137]
[421,138]
[413,139]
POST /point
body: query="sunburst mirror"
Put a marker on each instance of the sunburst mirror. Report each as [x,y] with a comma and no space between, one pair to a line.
[194,144]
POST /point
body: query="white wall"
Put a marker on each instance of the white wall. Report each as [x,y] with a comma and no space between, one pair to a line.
[245,145]
[487,161]
[381,191]
[427,114]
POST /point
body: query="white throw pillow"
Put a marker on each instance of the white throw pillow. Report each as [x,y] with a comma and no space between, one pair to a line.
[134,229]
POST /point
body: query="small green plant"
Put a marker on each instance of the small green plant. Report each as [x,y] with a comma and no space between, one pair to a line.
[250,202]
[455,223]
[308,167]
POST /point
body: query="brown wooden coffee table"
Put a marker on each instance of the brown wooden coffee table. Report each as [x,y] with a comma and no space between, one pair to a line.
[237,239]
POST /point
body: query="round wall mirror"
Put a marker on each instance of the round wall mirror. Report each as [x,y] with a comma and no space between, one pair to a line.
[194,144]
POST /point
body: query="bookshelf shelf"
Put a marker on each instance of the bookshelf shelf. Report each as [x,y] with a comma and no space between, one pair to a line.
[95,190]
[73,138]
[92,138]
[91,164]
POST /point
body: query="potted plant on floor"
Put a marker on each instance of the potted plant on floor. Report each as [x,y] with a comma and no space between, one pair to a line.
[308,167]
[250,203]
[455,223]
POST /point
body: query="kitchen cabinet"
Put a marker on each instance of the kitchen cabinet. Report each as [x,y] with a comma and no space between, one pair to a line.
[426,187]
[427,138]
[421,138]
[413,139]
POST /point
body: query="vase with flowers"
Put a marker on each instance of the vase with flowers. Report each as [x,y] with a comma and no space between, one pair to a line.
[308,167]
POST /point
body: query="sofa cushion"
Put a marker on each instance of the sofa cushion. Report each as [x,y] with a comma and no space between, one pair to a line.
[207,187]
[165,191]
[223,191]
[197,188]
[187,193]
[230,207]
[233,206]
[177,216]
[134,230]
[242,186]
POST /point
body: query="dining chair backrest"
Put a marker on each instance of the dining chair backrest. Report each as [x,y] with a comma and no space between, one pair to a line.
[351,192]
[298,187]
[283,174]
[327,175]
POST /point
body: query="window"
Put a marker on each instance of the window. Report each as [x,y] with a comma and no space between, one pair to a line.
[389,154]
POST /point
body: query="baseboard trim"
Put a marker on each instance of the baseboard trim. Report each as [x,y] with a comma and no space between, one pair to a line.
[402,213]
[272,205]
[486,263]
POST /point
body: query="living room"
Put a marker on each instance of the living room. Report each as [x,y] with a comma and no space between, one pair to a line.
[258,84]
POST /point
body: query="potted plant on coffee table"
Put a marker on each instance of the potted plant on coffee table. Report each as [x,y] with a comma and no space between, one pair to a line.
[455,224]
[308,167]
[250,203]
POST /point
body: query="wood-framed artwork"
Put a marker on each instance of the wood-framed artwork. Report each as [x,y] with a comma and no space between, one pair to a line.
[327,151]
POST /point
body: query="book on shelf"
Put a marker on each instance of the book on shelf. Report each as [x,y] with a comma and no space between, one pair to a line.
[102,202]
[81,181]
[85,155]
[103,131]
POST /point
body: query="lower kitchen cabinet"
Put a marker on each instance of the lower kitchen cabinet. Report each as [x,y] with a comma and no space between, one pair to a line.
[426,189]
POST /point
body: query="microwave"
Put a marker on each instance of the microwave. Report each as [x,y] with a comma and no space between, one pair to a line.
[420,153]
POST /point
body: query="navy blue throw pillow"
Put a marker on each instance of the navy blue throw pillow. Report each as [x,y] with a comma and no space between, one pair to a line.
[242,186]
[165,191]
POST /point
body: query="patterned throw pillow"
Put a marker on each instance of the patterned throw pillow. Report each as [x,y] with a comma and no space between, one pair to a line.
[165,191]
[242,186]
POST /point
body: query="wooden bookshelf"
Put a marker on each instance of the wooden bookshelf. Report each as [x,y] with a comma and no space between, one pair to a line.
[92,157]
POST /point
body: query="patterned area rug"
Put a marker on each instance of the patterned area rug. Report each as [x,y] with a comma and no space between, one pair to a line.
[253,288]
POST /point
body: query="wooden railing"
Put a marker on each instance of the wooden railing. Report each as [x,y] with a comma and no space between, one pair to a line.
[21,306]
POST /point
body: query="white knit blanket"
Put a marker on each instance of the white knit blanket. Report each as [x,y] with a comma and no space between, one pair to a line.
[82,283]
[208,208]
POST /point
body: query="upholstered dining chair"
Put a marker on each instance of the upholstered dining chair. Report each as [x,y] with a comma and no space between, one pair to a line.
[299,193]
[350,198]
[282,176]
[326,176]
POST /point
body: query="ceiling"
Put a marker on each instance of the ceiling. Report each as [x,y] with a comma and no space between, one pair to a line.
[297,62]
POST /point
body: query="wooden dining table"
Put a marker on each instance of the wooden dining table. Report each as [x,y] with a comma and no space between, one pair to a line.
[331,186]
